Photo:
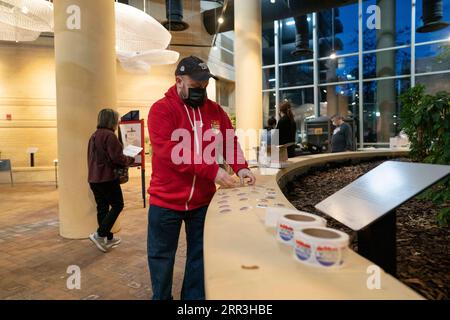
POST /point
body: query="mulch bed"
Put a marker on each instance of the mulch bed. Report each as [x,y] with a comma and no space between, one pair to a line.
[423,255]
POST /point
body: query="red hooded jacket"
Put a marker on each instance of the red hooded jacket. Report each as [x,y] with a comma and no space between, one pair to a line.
[187,185]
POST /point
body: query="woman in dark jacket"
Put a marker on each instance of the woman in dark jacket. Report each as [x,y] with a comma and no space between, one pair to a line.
[287,127]
[105,153]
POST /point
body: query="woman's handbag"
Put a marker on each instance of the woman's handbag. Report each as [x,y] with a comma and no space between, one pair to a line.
[122,174]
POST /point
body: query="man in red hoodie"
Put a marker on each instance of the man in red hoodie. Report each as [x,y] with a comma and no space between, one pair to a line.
[188,133]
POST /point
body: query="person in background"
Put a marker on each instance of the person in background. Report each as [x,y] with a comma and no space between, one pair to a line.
[105,153]
[180,191]
[342,135]
[287,127]
[267,132]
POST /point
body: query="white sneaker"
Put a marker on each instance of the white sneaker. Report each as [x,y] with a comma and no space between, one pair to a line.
[114,242]
[100,242]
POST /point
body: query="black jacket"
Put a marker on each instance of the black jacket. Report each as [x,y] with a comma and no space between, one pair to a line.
[287,130]
[342,138]
[105,153]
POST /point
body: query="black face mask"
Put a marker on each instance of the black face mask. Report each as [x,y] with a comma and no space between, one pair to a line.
[196,97]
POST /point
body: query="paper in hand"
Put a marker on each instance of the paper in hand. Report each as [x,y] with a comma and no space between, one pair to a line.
[131,151]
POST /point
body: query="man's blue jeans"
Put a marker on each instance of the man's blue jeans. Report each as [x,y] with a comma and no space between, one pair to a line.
[164,227]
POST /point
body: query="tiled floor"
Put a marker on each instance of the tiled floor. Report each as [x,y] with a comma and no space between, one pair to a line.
[34,258]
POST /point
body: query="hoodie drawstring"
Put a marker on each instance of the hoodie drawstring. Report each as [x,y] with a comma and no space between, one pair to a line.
[194,127]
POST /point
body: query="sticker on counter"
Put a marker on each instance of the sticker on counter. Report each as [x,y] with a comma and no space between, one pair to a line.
[302,250]
[286,232]
[327,256]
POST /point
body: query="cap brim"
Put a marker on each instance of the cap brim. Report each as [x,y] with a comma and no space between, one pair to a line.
[203,76]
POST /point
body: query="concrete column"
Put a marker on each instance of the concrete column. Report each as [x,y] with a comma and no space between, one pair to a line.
[85,83]
[248,64]
[386,95]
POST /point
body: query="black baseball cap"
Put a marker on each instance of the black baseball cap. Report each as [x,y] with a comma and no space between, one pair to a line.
[195,68]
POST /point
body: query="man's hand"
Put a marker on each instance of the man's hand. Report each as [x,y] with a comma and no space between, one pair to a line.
[224,179]
[246,173]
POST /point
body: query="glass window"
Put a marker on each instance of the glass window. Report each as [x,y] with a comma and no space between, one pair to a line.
[338,30]
[387,63]
[395,23]
[302,101]
[227,57]
[435,57]
[381,109]
[268,106]
[268,78]
[339,99]
[225,93]
[290,50]
[227,42]
[339,69]
[268,49]
[342,100]
[430,35]
[297,75]
[435,83]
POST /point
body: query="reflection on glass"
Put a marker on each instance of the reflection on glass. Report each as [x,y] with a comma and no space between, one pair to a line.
[339,99]
[435,83]
[387,63]
[269,78]
[296,39]
[435,57]
[297,75]
[438,15]
[395,24]
[338,30]
[268,106]
[381,109]
[337,34]
[268,49]
[340,69]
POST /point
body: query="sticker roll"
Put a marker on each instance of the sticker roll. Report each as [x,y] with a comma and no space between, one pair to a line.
[320,247]
[288,223]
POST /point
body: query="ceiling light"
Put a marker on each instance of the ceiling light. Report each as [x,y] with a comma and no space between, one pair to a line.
[136,31]
[290,22]
[33,15]
[11,33]
[141,41]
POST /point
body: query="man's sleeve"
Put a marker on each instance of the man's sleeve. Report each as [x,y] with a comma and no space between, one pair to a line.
[160,128]
[232,151]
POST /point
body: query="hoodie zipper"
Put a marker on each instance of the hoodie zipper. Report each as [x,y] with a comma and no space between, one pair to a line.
[191,194]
